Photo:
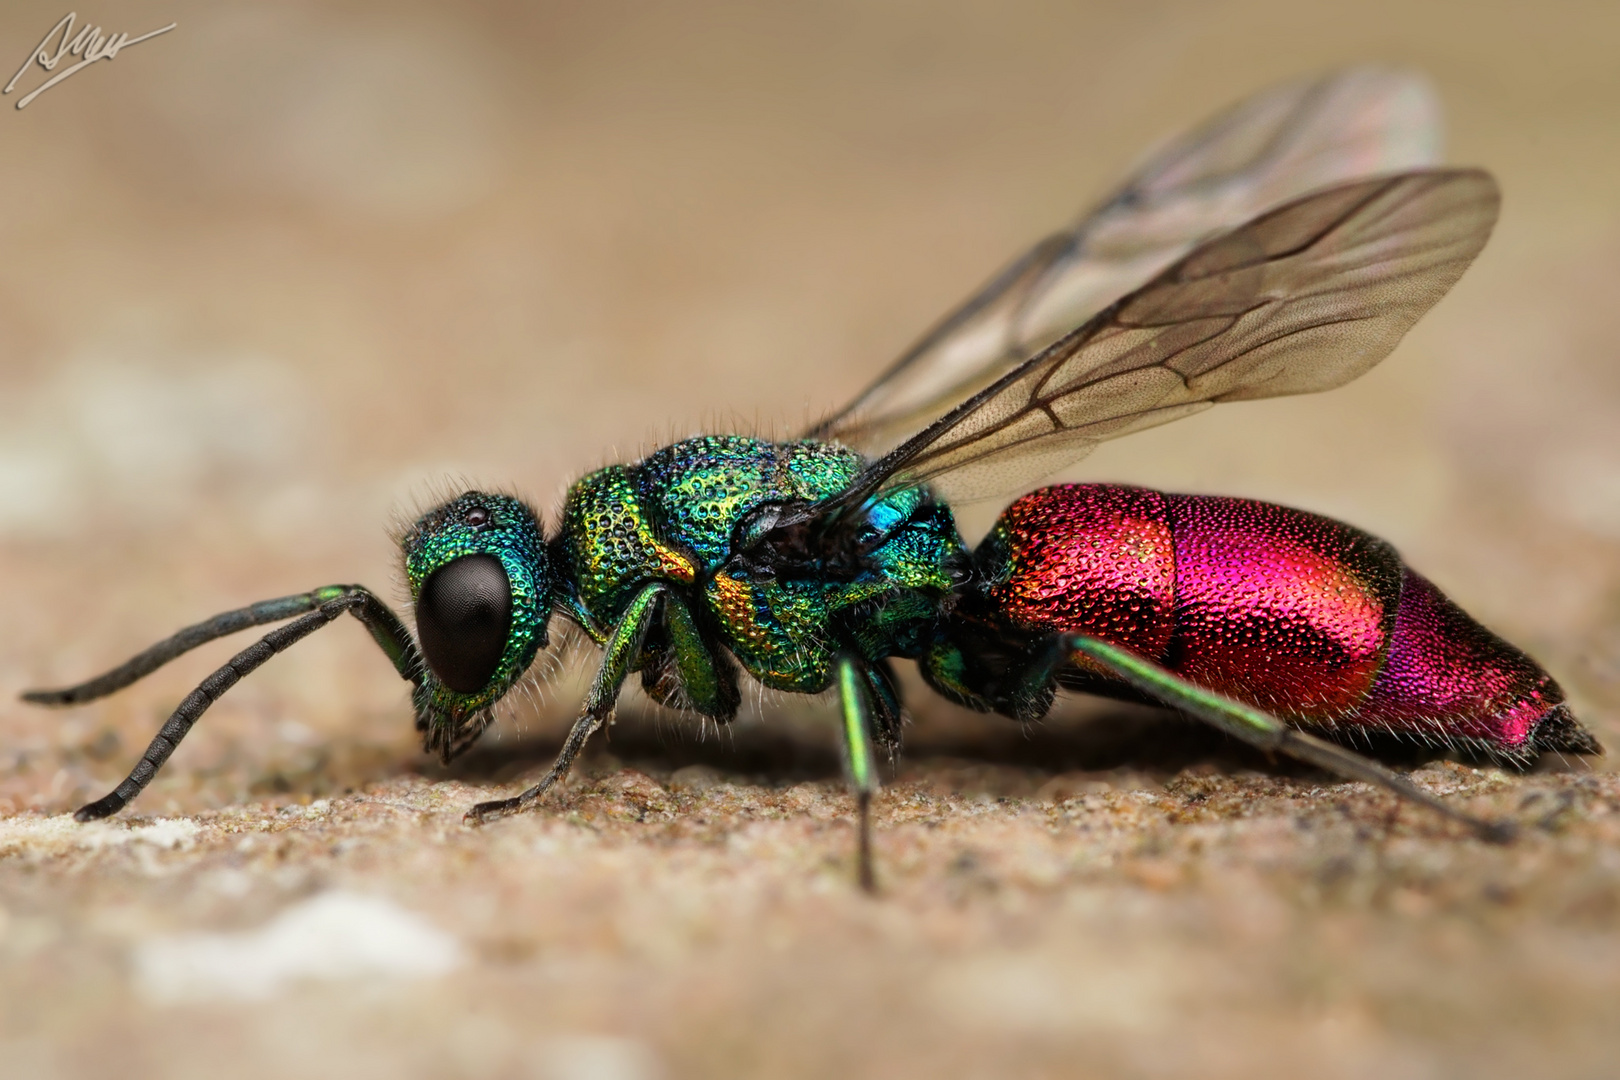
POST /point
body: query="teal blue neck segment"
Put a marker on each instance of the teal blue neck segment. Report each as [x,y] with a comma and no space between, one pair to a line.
[477,523]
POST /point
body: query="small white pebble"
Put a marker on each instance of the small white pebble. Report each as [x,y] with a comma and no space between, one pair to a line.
[596,1057]
[167,832]
[230,882]
[297,734]
[334,936]
[61,832]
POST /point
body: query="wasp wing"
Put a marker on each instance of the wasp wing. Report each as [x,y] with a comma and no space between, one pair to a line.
[1303,298]
[1275,146]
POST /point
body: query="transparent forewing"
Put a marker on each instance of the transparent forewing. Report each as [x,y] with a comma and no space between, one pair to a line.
[1271,148]
[1305,297]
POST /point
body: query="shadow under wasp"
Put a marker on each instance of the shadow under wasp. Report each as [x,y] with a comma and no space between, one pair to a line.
[809,564]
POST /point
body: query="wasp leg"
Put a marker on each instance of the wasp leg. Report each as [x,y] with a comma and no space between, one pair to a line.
[885,716]
[707,680]
[1024,690]
[854,695]
[329,603]
[1265,731]
[619,657]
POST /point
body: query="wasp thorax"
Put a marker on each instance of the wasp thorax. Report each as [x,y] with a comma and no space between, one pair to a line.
[462,620]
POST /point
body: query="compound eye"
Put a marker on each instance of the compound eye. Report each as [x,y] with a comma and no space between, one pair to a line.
[462,619]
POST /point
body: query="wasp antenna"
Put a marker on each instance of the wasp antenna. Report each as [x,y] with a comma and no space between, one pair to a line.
[196,703]
[329,603]
[144,663]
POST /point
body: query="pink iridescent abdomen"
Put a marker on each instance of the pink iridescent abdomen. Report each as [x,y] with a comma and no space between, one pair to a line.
[1298,614]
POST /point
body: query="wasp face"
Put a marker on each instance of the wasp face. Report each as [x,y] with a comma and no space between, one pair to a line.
[481,581]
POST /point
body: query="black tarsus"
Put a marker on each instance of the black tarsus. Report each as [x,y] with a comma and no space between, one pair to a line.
[1228,715]
[1335,759]
[623,649]
[863,852]
[578,735]
[318,608]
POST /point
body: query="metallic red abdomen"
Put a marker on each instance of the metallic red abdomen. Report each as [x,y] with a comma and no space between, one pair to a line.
[1301,615]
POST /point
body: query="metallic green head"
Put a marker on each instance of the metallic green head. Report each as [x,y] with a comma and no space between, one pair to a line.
[481,581]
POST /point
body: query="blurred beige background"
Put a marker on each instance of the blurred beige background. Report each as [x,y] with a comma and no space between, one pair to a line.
[271,276]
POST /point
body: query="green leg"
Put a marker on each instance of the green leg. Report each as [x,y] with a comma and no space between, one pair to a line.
[859,759]
[709,682]
[1265,731]
[618,660]
[1024,693]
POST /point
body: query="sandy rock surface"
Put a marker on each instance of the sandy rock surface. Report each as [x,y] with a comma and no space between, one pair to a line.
[667,917]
